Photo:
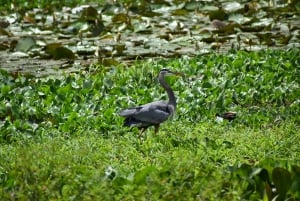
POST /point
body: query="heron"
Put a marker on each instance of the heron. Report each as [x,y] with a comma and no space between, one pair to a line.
[154,113]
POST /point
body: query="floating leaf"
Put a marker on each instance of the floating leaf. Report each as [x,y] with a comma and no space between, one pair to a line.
[120,48]
[4,46]
[192,5]
[3,32]
[56,51]
[109,62]
[97,28]
[89,14]
[120,18]
[180,12]
[232,6]
[4,24]
[25,44]
[219,14]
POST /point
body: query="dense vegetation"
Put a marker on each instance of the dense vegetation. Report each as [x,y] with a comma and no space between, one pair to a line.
[61,138]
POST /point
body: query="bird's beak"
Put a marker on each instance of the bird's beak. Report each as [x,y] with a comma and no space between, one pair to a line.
[179,74]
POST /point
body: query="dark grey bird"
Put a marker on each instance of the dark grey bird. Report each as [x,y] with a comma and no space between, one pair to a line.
[227,115]
[154,113]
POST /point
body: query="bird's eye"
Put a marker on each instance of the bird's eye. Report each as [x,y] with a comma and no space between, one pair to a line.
[165,70]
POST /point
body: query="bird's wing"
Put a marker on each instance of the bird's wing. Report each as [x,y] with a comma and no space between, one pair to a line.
[130,111]
[154,113]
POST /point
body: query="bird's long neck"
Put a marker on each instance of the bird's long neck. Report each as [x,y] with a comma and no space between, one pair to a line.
[166,86]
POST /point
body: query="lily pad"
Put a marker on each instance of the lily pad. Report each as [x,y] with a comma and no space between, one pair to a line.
[25,44]
[90,14]
[4,32]
[57,51]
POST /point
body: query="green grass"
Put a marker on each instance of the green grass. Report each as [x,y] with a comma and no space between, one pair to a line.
[190,162]
[61,138]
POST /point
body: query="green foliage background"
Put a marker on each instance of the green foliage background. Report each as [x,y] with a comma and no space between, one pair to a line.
[61,138]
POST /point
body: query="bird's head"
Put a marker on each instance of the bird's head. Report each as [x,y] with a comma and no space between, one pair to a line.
[166,72]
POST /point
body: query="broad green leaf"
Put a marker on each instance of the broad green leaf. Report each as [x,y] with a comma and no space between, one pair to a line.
[282,181]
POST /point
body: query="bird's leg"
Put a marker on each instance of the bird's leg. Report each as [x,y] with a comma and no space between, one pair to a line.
[141,131]
[156,127]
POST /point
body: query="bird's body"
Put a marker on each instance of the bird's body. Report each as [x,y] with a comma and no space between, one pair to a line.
[154,113]
[227,115]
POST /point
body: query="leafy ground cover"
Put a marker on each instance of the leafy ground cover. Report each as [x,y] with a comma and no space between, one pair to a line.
[61,137]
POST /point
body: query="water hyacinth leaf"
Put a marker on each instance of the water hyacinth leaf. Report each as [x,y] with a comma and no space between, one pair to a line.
[87,84]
